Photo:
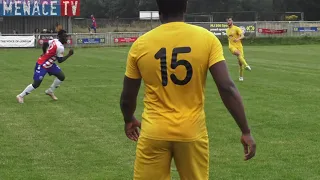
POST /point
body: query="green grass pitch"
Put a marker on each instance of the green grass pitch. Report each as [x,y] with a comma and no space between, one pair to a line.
[81,136]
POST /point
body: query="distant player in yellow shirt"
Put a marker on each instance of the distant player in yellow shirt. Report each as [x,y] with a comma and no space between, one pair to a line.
[173,60]
[235,35]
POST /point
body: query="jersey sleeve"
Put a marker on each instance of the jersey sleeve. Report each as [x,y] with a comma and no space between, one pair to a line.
[60,51]
[132,70]
[239,31]
[216,51]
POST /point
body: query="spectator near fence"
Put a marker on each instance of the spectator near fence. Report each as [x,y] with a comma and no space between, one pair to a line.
[94,24]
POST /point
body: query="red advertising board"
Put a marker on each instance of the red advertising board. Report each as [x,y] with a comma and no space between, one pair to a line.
[272,31]
[125,40]
[70,7]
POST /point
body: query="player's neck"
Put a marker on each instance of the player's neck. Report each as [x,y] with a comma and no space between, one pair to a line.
[230,26]
[172,19]
[61,41]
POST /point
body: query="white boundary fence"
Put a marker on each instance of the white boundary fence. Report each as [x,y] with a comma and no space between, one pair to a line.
[251,29]
[268,28]
[74,40]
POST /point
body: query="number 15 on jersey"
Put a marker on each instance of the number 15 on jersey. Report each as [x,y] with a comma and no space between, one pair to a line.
[162,55]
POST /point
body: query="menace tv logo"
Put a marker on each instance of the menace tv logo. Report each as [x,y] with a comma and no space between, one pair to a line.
[39,7]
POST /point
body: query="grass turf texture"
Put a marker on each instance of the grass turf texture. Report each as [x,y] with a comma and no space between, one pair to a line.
[81,135]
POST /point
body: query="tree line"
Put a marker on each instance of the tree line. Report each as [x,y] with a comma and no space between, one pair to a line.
[245,9]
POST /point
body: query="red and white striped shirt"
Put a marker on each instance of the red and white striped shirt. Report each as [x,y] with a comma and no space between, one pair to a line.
[55,50]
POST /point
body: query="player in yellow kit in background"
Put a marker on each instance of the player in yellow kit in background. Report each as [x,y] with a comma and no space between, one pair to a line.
[173,61]
[235,35]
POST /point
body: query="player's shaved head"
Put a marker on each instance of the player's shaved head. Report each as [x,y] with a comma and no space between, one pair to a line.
[172,8]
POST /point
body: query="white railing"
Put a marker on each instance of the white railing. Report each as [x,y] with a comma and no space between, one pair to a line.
[251,29]
[105,39]
[294,28]
[268,28]
[74,39]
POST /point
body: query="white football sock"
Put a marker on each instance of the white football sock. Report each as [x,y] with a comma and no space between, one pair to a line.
[27,91]
[56,83]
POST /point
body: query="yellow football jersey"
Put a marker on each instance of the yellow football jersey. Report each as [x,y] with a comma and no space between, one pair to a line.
[173,60]
[233,33]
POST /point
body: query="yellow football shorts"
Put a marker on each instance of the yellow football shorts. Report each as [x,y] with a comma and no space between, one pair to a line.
[153,159]
[233,49]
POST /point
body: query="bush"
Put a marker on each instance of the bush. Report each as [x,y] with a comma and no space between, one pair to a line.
[291,18]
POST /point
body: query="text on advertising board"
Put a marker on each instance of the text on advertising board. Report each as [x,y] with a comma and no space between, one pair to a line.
[125,40]
[272,31]
[39,7]
[17,41]
[306,29]
[91,41]
[219,29]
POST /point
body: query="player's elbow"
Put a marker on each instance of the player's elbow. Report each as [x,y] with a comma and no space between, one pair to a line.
[227,88]
[60,60]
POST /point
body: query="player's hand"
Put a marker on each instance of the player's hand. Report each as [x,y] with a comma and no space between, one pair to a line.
[71,52]
[249,146]
[236,40]
[132,129]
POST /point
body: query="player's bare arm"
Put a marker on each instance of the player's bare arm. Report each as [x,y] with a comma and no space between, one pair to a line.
[233,102]
[45,46]
[62,59]
[240,38]
[128,104]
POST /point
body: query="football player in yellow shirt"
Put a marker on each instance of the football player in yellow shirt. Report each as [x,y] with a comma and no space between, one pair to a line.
[235,35]
[173,60]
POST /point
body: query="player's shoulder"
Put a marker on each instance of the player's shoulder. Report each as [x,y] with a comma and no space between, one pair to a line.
[199,30]
[146,35]
[57,41]
[59,44]
[188,29]
[236,27]
[196,28]
[143,39]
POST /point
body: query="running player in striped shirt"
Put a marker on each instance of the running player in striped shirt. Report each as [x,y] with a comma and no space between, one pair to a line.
[52,52]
